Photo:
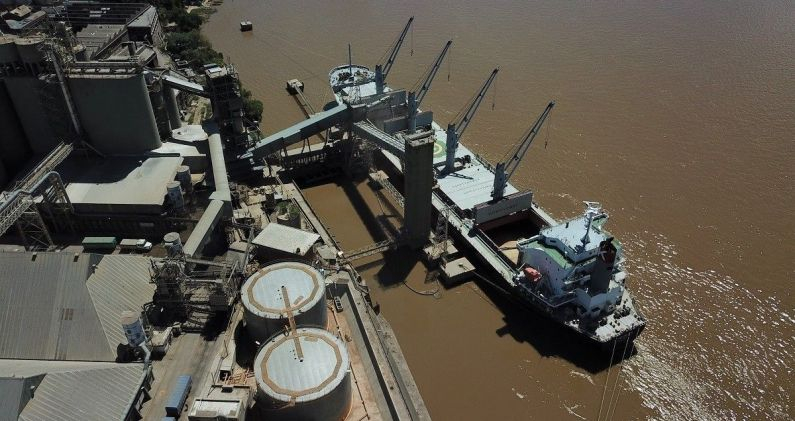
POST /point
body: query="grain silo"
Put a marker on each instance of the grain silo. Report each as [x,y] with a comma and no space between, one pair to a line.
[30,54]
[14,150]
[115,110]
[281,288]
[303,375]
[3,176]
[26,89]
[8,54]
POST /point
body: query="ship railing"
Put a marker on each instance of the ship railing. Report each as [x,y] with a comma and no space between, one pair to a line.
[554,302]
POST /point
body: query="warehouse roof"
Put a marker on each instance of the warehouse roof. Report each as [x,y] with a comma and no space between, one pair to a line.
[119,181]
[68,390]
[146,19]
[286,239]
[64,306]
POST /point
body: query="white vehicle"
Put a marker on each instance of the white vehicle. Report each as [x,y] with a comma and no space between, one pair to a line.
[137,244]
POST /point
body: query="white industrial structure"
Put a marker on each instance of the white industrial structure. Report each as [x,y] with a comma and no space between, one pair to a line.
[282,290]
[304,374]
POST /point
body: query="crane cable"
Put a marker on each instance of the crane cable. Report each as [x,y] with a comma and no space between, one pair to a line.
[462,112]
[618,394]
[618,378]
[412,41]
[449,66]
[494,96]
[604,391]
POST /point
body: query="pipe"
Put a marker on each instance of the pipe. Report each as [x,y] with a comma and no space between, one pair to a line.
[172,107]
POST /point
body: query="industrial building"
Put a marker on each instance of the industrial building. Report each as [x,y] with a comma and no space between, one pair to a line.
[60,332]
[68,304]
[61,84]
[48,390]
[104,336]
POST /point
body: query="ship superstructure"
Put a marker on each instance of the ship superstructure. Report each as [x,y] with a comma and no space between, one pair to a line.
[574,270]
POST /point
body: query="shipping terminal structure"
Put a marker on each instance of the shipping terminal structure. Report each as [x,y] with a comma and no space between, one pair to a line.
[160,260]
[571,271]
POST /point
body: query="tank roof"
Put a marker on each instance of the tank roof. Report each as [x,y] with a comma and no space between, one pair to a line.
[282,375]
[262,292]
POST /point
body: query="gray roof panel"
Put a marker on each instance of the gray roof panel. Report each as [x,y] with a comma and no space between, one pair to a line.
[286,239]
[120,283]
[91,394]
[52,307]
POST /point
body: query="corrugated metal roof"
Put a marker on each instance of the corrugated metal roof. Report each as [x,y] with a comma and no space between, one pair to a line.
[28,368]
[49,311]
[286,239]
[10,397]
[121,282]
[45,310]
[92,394]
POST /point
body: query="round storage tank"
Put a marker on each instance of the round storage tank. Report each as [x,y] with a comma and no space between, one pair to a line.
[265,307]
[173,243]
[183,176]
[133,328]
[174,192]
[307,380]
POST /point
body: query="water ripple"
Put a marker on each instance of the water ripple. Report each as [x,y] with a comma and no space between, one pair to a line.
[713,348]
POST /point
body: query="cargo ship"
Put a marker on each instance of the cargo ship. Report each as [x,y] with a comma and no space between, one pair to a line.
[571,271]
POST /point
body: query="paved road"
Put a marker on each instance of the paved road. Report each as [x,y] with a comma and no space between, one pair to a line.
[189,354]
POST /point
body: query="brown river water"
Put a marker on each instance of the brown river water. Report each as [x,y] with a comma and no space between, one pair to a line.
[677,116]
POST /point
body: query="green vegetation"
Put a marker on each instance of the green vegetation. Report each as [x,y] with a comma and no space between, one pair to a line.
[288,208]
[187,43]
[193,47]
[251,107]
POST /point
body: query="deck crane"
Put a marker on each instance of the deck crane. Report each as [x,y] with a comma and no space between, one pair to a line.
[415,97]
[505,170]
[455,129]
[382,70]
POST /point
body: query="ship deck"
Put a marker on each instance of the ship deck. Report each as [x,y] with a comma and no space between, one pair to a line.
[466,188]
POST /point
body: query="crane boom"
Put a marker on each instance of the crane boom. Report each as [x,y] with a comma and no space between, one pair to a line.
[382,69]
[463,122]
[416,95]
[426,83]
[505,170]
[456,128]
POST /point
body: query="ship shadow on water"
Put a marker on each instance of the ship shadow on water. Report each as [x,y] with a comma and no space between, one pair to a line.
[549,338]
[522,324]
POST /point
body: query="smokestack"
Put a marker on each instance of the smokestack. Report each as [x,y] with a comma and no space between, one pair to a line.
[603,268]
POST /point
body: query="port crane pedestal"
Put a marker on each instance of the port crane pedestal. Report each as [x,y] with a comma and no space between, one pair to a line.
[501,205]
